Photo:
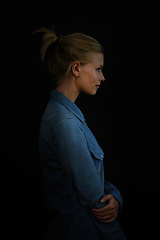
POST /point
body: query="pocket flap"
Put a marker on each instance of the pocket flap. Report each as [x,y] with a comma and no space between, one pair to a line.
[97,153]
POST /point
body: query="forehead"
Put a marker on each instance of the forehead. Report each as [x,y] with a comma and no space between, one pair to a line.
[97,59]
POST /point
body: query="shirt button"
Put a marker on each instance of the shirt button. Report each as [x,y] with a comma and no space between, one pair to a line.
[101,156]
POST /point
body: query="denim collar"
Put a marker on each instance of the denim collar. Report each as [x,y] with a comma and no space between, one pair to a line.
[72,107]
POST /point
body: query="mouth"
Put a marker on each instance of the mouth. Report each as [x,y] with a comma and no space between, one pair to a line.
[98,86]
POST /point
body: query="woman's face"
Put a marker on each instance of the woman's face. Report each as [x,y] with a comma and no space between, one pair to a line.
[90,75]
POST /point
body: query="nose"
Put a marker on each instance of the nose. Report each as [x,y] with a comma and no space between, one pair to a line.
[102,79]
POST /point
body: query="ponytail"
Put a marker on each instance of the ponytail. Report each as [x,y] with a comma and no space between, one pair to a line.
[58,53]
[49,38]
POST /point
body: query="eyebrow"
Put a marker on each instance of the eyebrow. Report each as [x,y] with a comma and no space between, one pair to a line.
[101,66]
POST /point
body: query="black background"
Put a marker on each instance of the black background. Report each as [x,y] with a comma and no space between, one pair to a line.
[123,115]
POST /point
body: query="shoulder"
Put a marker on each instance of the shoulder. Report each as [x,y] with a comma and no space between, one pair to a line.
[58,119]
[55,112]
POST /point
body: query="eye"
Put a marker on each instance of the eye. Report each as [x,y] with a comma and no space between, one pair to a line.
[99,69]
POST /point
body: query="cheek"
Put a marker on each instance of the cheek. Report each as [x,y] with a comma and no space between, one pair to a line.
[90,81]
[93,79]
[87,82]
[91,84]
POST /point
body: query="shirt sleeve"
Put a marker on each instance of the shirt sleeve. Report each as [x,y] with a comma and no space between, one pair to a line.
[71,150]
[111,189]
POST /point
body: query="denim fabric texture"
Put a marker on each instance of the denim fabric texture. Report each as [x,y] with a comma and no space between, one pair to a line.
[73,173]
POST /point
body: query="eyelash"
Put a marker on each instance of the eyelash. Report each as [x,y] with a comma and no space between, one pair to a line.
[99,69]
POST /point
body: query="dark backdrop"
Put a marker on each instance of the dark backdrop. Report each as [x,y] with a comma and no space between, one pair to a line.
[124,115]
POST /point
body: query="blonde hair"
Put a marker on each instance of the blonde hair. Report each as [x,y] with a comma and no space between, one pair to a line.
[58,53]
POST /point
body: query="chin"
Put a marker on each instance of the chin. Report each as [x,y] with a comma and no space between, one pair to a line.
[91,92]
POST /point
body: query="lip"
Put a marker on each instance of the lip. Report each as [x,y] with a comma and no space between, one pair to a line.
[97,86]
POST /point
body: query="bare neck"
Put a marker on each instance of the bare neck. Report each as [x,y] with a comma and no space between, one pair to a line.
[68,88]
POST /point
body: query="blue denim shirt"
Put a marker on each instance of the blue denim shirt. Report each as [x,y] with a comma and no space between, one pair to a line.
[72,160]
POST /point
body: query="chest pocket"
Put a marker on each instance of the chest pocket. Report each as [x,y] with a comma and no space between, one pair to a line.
[97,155]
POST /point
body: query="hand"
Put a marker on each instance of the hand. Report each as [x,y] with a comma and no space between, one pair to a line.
[108,213]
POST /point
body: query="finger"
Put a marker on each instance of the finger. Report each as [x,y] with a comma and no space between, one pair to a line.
[104,214]
[107,217]
[101,210]
[107,208]
[106,197]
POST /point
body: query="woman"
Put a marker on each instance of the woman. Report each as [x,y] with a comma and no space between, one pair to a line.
[82,205]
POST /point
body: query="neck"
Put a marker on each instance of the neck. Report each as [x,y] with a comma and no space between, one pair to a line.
[68,88]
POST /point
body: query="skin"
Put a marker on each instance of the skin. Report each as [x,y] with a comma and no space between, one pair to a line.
[87,78]
[83,78]
[108,213]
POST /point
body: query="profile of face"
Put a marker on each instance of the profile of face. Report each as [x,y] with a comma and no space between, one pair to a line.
[89,76]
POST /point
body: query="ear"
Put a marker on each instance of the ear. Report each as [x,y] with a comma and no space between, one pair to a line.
[76,68]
